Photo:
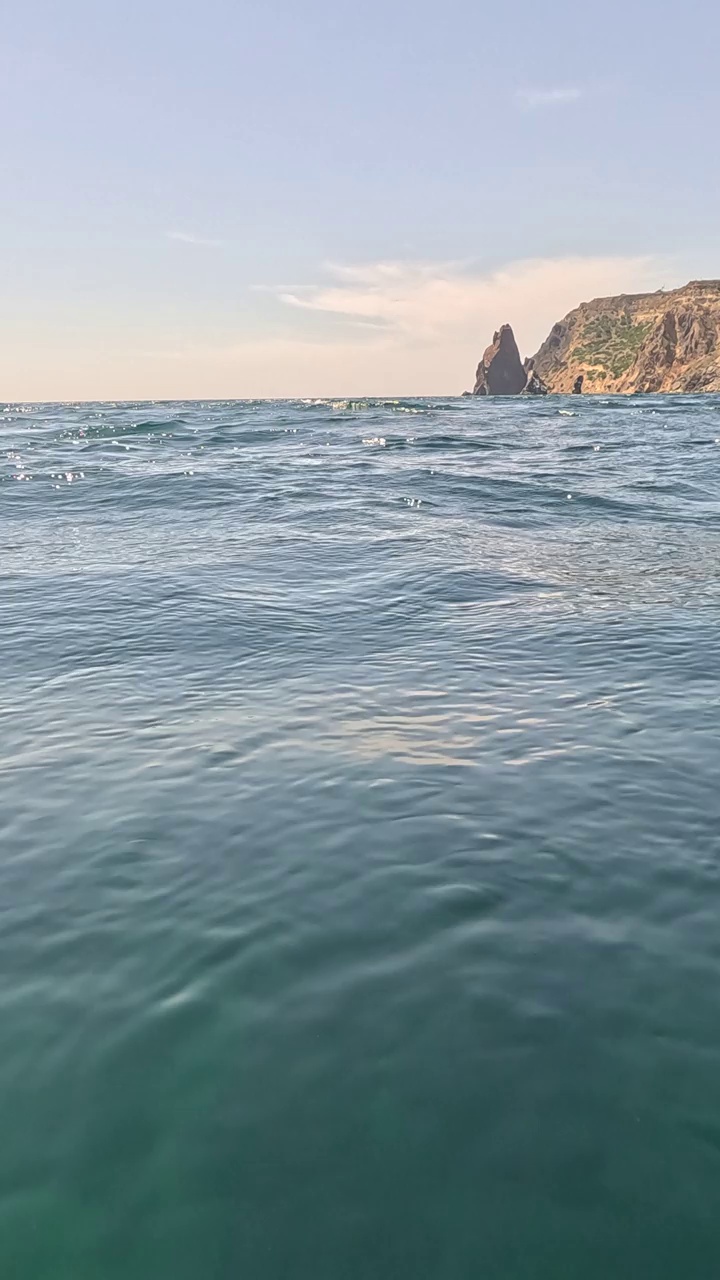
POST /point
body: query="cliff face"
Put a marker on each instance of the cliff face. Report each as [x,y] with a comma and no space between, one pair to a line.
[637,342]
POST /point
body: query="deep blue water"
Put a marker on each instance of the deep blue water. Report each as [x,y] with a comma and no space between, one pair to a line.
[359,840]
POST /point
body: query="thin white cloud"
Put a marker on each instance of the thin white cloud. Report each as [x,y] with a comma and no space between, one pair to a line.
[531,99]
[434,304]
[185,237]
[311,302]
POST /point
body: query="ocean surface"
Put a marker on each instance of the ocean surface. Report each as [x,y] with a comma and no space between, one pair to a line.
[360,840]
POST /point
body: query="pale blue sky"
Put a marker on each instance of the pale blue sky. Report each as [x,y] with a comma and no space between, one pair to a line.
[199,198]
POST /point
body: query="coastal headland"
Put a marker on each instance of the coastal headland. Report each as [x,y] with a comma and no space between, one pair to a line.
[668,341]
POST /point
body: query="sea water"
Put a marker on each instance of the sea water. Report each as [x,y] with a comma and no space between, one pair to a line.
[360,840]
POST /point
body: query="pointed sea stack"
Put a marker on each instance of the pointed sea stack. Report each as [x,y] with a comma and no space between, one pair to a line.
[501,372]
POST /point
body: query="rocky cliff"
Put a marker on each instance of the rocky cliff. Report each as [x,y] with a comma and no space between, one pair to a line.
[665,341]
[501,371]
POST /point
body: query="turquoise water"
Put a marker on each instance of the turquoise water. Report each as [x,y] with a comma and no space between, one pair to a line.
[360,824]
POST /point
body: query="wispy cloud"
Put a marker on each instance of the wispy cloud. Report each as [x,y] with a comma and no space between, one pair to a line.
[186,237]
[532,99]
[436,304]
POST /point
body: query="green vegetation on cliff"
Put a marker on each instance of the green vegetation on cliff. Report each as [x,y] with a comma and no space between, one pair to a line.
[611,343]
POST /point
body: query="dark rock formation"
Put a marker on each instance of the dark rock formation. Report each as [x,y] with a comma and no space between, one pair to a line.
[578,385]
[501,372]
[534,385]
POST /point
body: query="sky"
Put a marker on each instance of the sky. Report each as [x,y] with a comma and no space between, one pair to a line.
[331,198]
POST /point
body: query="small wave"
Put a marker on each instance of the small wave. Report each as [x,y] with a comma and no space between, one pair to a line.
[474,444]
[363,406]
